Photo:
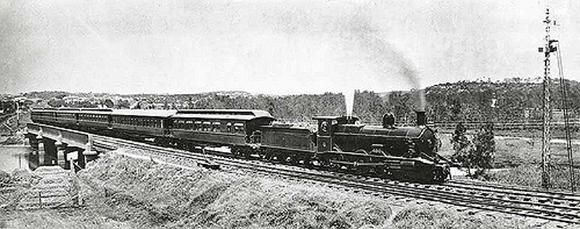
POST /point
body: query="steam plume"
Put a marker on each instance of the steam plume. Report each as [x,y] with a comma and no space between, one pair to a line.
[389,63]
[349,100]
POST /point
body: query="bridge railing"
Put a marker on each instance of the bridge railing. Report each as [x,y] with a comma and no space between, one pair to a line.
[72,137]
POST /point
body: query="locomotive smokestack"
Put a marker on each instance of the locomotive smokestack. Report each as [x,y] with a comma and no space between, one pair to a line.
[421,118]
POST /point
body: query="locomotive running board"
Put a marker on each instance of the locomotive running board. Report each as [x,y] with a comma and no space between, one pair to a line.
[356,164]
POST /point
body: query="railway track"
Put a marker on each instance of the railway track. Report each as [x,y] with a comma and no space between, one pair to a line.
[561,207]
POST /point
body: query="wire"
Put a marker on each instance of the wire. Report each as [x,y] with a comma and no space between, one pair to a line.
[563,87]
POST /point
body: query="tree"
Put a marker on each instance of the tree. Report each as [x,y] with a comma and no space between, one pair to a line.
[477,153]
[484,148]
[460,145]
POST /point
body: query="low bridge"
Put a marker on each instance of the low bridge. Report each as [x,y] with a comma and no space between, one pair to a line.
[60,146]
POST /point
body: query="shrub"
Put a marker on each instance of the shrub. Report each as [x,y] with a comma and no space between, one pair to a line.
[477,153]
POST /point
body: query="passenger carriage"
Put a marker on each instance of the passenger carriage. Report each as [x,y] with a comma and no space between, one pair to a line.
[68,116]
[43,115]
[94,119]
[233,128]
[146,123]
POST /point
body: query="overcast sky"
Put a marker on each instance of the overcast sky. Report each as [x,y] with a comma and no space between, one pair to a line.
[274,47]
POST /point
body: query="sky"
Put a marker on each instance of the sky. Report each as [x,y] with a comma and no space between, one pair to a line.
[275,46]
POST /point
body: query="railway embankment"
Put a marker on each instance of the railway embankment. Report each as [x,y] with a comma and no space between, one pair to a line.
[126,192]
[12,129]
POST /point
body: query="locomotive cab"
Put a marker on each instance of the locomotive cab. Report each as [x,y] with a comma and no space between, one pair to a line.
[327,125]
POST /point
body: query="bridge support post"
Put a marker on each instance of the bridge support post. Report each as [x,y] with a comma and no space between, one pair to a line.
[50,156]
[33,155]
[33,159]
[41,154]
[60,147]
[32,141]
[60,154]
[89,154]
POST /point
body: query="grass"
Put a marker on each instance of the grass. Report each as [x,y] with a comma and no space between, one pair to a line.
[156,196]
[530,175]
[434,218]
[520,161]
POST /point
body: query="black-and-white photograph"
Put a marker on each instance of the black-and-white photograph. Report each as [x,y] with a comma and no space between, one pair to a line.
[290,114]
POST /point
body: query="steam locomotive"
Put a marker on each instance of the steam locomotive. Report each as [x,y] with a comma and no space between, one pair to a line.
[340,143]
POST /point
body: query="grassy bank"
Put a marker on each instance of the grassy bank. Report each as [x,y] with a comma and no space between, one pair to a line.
[433,218]
[121,192]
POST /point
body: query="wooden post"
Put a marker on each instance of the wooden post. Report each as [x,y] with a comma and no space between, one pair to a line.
[71,157]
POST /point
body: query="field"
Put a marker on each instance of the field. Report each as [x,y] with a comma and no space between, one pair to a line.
[518,160]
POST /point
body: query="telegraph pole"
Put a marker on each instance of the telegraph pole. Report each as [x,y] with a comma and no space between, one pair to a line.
[547,112]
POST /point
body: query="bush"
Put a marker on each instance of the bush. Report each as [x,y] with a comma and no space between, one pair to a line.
[477,153]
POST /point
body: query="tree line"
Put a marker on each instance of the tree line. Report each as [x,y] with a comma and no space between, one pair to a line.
[511,99]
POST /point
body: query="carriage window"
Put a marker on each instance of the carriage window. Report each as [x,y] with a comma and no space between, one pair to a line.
[216,126]
[198,125]
[206,126]
[239,128]
[229,127]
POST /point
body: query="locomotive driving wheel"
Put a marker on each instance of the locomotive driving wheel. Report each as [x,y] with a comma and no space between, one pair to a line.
[380,171]
[362,158]
[236,152]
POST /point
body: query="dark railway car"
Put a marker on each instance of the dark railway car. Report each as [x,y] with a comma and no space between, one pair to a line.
[141,123]
[68,117]
[44,115]
[234,128]
[284,142]
[94,119]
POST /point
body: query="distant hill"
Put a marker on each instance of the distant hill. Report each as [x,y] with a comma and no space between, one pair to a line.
[511,99]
